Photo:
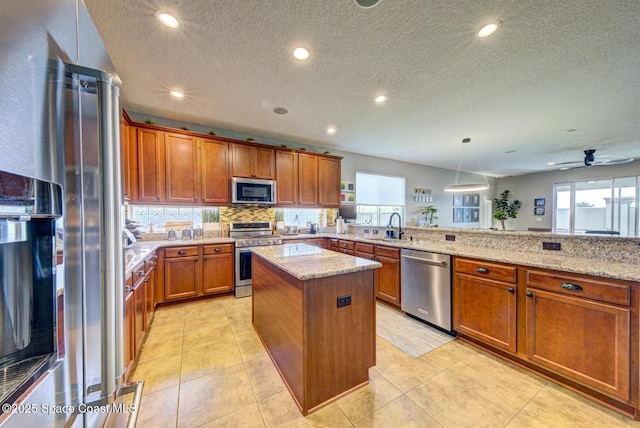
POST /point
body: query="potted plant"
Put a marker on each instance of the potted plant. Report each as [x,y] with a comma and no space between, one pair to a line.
[430,213]
[504,209]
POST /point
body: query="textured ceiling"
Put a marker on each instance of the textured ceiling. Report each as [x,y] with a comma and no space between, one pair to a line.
[552,66]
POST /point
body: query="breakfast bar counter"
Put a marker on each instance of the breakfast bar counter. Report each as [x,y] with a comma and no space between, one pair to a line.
[314,310]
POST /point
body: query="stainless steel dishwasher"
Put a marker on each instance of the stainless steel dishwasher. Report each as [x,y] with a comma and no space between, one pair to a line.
[426,286]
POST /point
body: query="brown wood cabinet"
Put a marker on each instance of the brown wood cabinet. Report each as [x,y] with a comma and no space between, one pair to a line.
[485,302]
[139,310]
[181,168]
[329,173]
[388,281]
[308,180]
[197,270]
[575,329]
[580,327]
[346,247]
[214,172]
[125,158]
[150,165]
[332,244]
[252,161]
[287,177]
[164,165]
[182,273]
[217,268]
[129,332]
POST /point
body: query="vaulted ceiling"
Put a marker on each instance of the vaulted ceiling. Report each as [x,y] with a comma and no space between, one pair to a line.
[552,67]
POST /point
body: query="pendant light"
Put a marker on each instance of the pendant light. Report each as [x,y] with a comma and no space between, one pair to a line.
[469,187]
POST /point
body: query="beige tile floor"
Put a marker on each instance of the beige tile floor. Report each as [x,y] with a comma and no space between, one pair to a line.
[203,365]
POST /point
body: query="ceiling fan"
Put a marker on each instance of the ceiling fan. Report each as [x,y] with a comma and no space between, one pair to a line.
[590,160]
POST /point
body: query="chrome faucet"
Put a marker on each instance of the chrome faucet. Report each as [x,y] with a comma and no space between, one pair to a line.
[390,226]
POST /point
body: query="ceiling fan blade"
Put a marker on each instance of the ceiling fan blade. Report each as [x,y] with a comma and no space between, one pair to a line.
[565,163]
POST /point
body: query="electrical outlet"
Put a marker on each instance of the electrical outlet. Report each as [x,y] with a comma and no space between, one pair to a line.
[366,231]
[344,300]
[555,246]
[449,237]
[375,231]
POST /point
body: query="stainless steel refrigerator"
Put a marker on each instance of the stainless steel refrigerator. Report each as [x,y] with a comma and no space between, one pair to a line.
[61,222]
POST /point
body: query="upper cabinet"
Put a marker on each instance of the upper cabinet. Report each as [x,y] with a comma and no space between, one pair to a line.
[150,165]
[329,173]
[287,177]
[307,179]
[170,166]
[252,162]
[214,172]
[181,168]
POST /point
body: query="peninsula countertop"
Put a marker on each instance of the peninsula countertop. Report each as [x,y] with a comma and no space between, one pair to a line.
[305,262]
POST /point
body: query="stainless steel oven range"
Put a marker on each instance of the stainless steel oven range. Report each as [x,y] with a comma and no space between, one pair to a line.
[247,235]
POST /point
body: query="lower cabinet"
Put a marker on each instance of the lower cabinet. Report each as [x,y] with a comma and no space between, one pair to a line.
[485,302]
[139,305]
[388,281]
[194,271]
[182,273]
[582,329]
[576,329]
[129,333]
[217,268]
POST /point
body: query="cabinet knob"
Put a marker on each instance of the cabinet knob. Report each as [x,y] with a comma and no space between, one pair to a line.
[140,272]
[157,198]
[482,270]
[196,260]
[570,286]
[182,252]
[148,279]
[529,294]
[195,199]
[218,250]
[511,290]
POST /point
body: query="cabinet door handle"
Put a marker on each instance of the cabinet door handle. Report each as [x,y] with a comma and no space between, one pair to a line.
[182,252]
[218,250]
[570,286]
[529,294]
[482,270]
[511,290]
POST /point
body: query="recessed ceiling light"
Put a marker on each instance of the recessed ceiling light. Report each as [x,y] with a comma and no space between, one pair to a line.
[280,110]
[167,19]
[177,94]
[367,4]
[488,30]
[331,130]
[380,99]
[300,53]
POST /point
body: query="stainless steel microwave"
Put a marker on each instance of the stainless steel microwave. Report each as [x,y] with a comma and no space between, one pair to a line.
[253,191]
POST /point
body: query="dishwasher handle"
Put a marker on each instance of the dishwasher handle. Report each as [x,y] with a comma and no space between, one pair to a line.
[441,264]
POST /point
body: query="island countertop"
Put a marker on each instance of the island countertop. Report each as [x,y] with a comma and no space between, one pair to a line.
[305,262]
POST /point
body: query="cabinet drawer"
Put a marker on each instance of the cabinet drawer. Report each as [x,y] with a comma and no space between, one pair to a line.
[217,249]
[482,269]
[346,245]
[579,286]
[318,242]
[180,252]
[393,253]
[364,248]
[333,244]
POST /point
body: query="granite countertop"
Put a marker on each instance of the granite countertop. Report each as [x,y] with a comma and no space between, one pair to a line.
[547,260]
[133,257]
[307,261]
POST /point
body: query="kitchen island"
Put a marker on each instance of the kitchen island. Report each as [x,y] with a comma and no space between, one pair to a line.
[314,311]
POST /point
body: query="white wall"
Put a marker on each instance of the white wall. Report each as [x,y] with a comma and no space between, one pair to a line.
[540,185]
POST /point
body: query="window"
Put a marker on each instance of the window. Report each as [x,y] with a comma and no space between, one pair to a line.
[599,206]
[378,197]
